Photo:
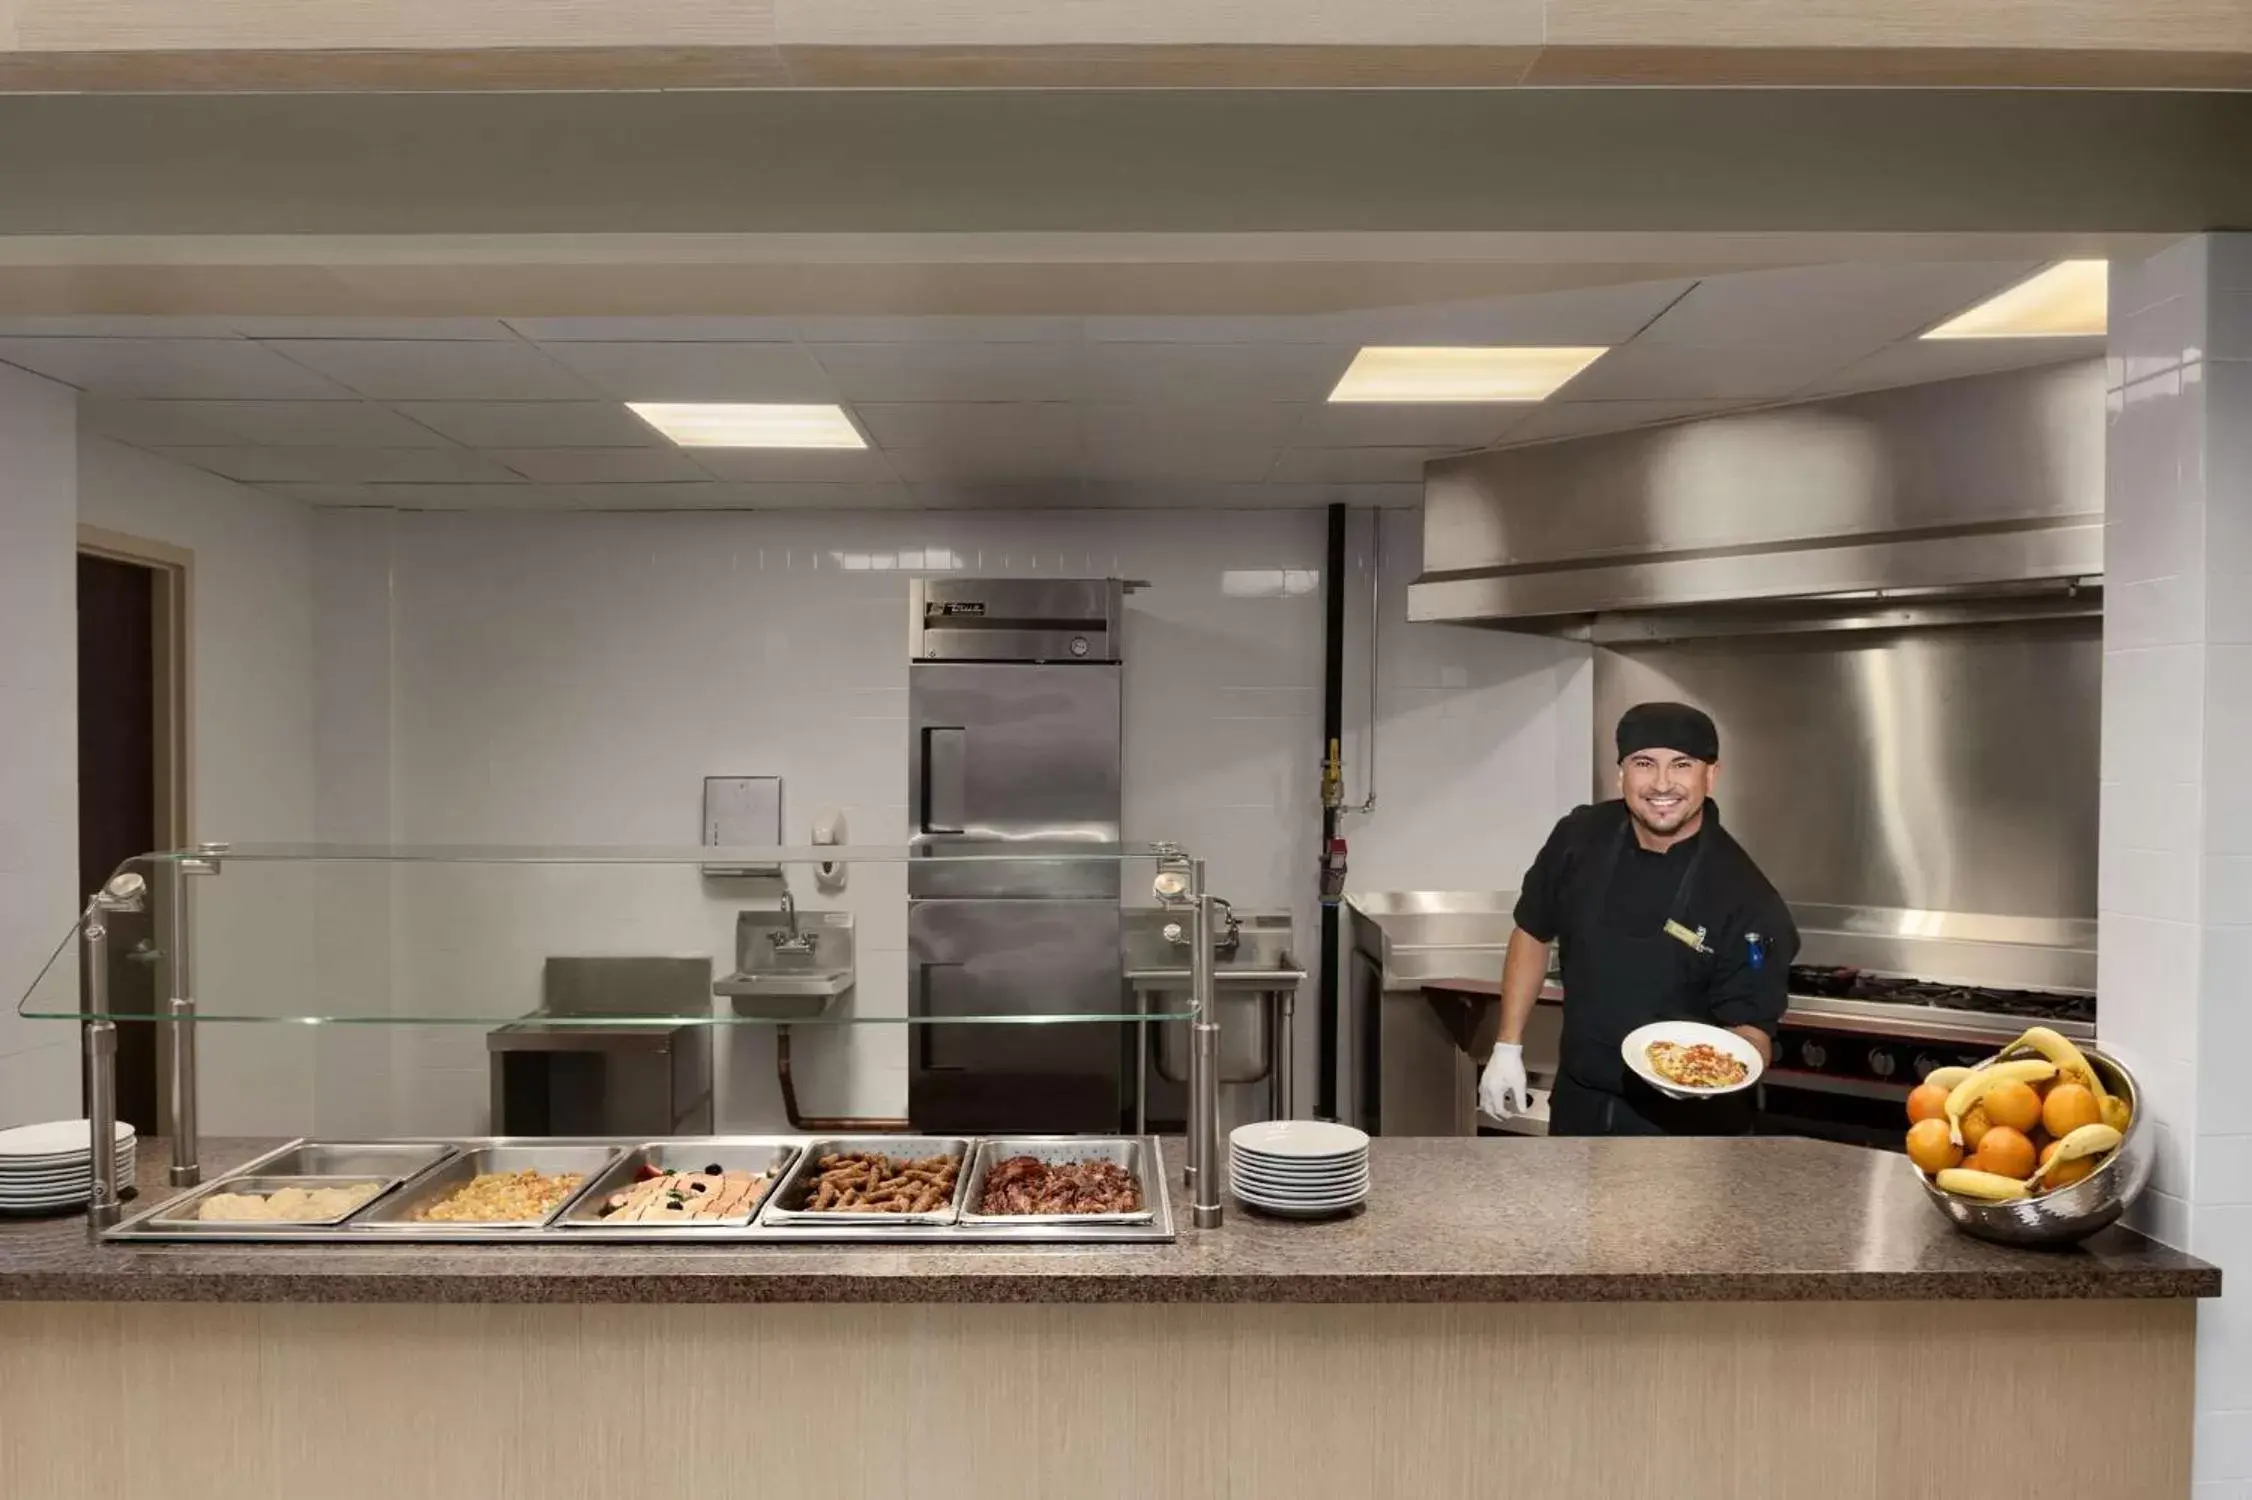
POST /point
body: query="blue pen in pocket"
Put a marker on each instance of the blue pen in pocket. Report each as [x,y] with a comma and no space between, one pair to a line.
[1759,951]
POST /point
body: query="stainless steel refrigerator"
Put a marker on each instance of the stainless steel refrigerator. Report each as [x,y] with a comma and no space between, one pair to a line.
[1014,749]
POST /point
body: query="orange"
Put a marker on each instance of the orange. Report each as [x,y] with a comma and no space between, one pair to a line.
[2069,1173]
[2066,1175]
[1930,1147]
[2005,1152]
[1928,1101]
[2068,1107]
[1975,1126]
[2013,1104]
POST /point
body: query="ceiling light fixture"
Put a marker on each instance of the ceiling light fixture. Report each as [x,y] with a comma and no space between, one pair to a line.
[2068,300]
[740,425]
[1442,375]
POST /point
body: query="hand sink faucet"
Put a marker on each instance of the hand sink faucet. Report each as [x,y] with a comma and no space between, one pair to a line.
[794,940]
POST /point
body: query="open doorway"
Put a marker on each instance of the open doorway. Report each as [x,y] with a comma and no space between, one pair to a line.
[132,681]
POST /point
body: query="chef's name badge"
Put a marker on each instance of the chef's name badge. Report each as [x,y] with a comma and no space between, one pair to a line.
[1692,938]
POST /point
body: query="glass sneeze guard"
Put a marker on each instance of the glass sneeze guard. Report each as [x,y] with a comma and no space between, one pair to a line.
[478,935]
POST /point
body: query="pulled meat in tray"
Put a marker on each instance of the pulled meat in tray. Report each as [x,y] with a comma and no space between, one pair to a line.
[1028,1185]
[859,1182]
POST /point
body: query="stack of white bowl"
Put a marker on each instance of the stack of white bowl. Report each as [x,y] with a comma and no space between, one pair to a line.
[48,1168]
[1300,1169]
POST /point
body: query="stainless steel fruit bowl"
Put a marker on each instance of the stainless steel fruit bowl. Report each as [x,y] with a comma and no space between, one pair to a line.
[2069,1214]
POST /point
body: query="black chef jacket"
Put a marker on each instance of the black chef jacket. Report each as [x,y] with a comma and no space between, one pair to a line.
[1607,901]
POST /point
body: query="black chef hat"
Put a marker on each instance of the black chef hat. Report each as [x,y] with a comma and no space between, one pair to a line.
[1668,726]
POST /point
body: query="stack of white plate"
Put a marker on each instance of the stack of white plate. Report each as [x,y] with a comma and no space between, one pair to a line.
[46,1168]
[1300,1169]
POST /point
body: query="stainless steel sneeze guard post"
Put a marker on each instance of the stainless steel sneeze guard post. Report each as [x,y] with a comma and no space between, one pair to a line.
[123,893]
[187,1166]
[1205,1209]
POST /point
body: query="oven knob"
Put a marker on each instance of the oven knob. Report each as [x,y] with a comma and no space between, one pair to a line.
[1925,1065]
[1813,1054]
[1882,1062]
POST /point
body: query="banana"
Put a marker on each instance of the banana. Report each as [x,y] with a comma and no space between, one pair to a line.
[2088,1140]
[2072,1064]
[2115,1113]
[1991,1186]
[1975,1087]
[1947,1078]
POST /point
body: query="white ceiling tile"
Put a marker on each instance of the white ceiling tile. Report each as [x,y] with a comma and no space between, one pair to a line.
[1607,315]
[599,465]
[1701,372]
[119,325]
[371,328]
[884,496]
[660,330]
[1218,463]
[945,329]
[1189,373]
[1556,419]
[1916,360]
[315,424]
[325,494]
[342,465]
[939,465]
[1052,494]
[517,496]
[535,424]
[1116,426]
[1358,425]
[1147,495]
[215,369]
[1198,328]
[156,424]
[796,465]
[1850,308]
[437,369]
[692,371]
[968,425]
[1353,465]
[951,372]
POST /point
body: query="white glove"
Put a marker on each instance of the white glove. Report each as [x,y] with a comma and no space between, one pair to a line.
[1502,1090]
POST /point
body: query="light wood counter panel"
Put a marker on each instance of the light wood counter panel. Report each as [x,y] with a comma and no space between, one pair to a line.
[1847,1401]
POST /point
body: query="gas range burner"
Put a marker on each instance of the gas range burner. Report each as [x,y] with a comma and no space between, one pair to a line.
[1855,984]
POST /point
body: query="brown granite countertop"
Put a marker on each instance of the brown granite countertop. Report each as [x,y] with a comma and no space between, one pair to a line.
[1513,1219]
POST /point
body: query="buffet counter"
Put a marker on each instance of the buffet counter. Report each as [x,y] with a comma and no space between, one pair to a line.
[1499,1302]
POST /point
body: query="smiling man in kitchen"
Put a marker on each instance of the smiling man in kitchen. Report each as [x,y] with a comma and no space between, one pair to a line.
[1662,917]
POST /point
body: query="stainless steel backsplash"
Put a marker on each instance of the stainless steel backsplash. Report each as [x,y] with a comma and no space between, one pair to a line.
[1942,770]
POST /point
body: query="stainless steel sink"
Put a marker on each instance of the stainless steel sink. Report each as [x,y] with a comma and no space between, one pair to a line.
[1249,980]
[789,965]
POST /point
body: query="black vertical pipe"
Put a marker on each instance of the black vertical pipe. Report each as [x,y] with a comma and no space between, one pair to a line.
[1332,729]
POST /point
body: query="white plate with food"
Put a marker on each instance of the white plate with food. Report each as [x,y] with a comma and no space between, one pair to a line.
[1690,1060]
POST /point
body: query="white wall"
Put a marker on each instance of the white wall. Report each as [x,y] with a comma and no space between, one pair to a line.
[252,761]
[572,678]
[1482,736]
[38,740]
[2176,854]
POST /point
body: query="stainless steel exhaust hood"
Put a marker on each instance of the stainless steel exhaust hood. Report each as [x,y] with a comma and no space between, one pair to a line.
[1956,502]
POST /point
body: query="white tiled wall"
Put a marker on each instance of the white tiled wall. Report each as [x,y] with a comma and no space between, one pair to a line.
[572,679]
[1482,736]
[38,738]
[2176,941]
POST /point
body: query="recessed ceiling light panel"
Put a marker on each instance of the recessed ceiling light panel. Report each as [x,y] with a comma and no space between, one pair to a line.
[1440,375]
[740,425]
[2068,300]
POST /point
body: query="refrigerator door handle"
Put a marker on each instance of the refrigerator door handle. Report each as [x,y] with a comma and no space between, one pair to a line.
[945,770]
[924,1007]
